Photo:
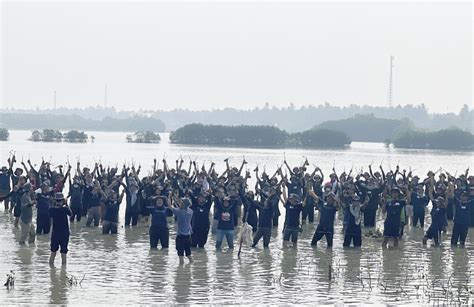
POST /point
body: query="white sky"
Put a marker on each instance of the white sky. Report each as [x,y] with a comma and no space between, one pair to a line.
[213,55]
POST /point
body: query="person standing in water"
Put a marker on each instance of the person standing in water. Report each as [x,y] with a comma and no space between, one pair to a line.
[60,214]
[184,215]
[393,207]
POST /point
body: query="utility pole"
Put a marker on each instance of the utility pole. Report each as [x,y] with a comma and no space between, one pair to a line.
[105,96]
[390,83]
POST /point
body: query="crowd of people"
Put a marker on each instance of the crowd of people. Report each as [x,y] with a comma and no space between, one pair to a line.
[202,200]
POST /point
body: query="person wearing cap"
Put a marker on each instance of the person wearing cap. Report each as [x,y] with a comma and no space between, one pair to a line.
[393,207]
[26,216]
[327,215]
[293,207]
[159,231]
[353,231]
[461,219]
[43,220]
[438,216]
[184,214]
[225,213]
[59,213]
[201,206]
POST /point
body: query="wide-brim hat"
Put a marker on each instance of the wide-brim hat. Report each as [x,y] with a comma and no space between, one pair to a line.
[58,196]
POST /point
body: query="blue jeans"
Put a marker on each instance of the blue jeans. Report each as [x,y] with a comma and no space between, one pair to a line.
[229,236]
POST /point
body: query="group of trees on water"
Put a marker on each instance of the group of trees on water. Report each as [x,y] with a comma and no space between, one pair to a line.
[368,128]
[256,136]
[74,122]
[4,134]
[452,138]
[147,137]
[53,135]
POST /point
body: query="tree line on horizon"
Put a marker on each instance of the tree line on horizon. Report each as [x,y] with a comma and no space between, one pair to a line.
[291,118]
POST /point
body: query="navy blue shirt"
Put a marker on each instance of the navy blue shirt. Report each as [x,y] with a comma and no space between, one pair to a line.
[419,203]
[201,214]
[225,217]
[437,218]
[461,215]
[292,217]
[394,211]
[43,205]
[60,220]
[328,212]
[75,191]
[94,200]
[159,215]
[111,210]
[5,181]
[265,217]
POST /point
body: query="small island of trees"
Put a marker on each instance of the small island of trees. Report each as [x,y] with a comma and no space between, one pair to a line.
[148,137]
[453,138]
[4,134]
[53,135]
[256,136]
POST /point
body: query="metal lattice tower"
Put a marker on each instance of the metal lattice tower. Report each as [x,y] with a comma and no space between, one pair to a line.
[390,83]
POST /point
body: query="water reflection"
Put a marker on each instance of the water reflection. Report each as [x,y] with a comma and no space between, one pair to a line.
[58,286]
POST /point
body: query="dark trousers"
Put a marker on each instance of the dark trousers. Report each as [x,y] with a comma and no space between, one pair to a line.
[419,216]
[183,245]
[276,215]
[266,233]
[199,237]
[76,213]
[308,213]
[159,234]
[323,231]
[353,234]
[43,224]
[459,234]
[131,216]
[109,227]
[449,209]
[369,217]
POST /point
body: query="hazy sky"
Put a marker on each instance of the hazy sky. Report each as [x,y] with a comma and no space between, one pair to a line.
[213,55]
